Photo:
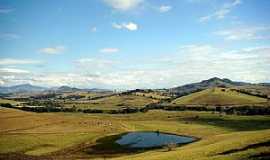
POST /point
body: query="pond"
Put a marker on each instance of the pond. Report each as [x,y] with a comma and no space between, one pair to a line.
[135,142]
[144,140]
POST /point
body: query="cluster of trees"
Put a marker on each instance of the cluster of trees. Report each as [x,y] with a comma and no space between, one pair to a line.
[90,110]
[45,96]
[41,109]
[99,97]
[46,103]
[134,91]
[6,105]
[114,111]
[76,97]
[247,110]
[239,110]
[178,107]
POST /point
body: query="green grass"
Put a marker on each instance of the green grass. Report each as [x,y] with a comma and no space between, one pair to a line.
[62,134]
[114,102]
[85,94]
[218,96]
[241,123]
[155,95]
[37,144]
[8,101]
[210,148]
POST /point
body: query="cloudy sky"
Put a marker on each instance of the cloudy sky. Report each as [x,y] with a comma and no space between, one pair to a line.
[126,44]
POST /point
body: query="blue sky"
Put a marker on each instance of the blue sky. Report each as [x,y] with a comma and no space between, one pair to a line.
[125,44]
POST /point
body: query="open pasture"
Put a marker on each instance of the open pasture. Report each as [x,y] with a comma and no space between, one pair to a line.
[219,96]
[113,102]
[69,135]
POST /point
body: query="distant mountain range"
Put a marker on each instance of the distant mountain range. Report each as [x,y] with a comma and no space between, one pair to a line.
[181,90]
[22,89]
[210,83]
[28,88]
[73,89]
[265,84]
[67,89]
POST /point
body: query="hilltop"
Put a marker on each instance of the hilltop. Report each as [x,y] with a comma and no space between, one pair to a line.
[218,96]
[28,88]
[210,83]
[260,89]
[22,88]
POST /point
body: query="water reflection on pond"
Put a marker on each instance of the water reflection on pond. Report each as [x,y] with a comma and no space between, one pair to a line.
[135,142]
[151,139]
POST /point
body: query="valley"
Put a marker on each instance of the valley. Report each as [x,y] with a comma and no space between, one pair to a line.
[70,124]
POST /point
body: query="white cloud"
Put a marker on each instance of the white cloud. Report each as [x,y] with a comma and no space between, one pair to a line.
[245,33]
[94,70]
[191,63]
[129,26]
[164,8]
[93,29]
[205,18]
[222,12]
[53,50]
[117,26]
[236,2]
[59,79]
[10,61]
[109,50]
[93,64]
[2,82]
[123,5]
[13,70]
[198,49]
[247,64]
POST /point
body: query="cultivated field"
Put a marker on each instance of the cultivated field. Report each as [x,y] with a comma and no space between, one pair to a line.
[70,135]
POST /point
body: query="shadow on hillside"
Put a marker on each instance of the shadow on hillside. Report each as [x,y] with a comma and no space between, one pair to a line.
[237,124]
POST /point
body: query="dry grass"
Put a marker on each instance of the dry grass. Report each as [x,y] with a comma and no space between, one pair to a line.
[39,134]
[114,102]
[218,96]
[9,101]
[154,95]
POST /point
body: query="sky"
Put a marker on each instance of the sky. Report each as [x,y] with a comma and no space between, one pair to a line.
[128,44]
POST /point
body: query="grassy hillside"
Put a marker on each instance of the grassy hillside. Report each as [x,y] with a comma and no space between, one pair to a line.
[114,102]
[67,135]
[218,96]
[155,95]
[8,101]
[255,90]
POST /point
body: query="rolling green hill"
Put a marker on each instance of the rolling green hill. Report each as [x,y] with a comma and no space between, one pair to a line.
[218,96]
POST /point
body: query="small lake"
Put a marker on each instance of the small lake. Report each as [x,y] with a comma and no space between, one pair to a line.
[144,140]
[135,142]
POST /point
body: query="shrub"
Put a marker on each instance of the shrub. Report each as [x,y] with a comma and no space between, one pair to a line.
[171,146]
[7,105]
